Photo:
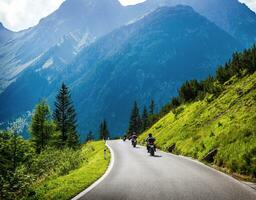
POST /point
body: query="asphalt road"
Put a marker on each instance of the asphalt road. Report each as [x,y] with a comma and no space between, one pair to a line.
[137,176]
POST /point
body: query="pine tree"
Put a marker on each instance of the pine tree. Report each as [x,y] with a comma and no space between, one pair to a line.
[41,127]
[135,120]
[145,119]
[89,137]
[105,128]
[104,133]
[65,118]
[152,107]
[101,131]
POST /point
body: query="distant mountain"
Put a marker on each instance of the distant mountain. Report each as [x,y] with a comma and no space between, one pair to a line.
[144,60]
[81,20]
[139,61]
[88,20]
[5,34]
[230,15]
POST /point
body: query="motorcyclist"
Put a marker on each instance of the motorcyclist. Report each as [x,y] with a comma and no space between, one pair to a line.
[150,141]
[133,137]
[124,138]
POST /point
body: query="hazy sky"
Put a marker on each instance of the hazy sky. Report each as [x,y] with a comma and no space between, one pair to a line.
[20,14]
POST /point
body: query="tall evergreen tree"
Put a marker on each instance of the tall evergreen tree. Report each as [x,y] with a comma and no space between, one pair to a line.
[135,120]
[105,128]
[65,118]
[145,119]
[41,127]
[89,136]
[152,107]
[101,131]
[104,132]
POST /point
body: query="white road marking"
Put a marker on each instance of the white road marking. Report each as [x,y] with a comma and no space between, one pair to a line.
[112,160]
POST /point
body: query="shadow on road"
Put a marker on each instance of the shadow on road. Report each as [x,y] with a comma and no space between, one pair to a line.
[156,156]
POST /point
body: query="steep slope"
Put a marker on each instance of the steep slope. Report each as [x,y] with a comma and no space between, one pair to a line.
[139,61]
[93,19]
[226,123]
[83,20]
[40,80]
[5,35]
[148,59]
[230,15]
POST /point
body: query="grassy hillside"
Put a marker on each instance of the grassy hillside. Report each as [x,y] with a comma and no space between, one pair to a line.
[226,123]
[67,186]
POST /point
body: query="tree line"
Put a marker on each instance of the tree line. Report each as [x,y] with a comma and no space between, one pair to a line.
[54,146]
[23,160]
[53,134]
[240,65]
[58,129]
[141,121]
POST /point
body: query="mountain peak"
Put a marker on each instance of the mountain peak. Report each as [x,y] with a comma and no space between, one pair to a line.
[3,28]
[176,9]
[5,34]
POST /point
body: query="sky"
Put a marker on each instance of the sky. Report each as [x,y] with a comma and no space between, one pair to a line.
[18,15]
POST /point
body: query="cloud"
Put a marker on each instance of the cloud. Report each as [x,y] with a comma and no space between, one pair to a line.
[250,3]
[21,14]
[130,2]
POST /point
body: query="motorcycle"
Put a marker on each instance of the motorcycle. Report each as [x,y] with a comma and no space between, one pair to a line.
[134,143]
[151,149]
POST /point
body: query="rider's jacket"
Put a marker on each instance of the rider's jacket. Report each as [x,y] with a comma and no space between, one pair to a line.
[134,137]
[150,140]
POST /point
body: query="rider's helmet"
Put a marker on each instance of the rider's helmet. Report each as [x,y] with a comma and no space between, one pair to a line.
[150,135]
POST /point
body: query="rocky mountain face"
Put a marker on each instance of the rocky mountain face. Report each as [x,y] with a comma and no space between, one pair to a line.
[5,34]
[230,15]
[111,55]
[146,59]
[82,21]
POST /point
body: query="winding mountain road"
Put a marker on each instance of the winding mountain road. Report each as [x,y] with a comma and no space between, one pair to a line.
[137,176]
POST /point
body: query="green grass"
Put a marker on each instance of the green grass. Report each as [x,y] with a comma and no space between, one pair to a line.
[67,186]
[226,123]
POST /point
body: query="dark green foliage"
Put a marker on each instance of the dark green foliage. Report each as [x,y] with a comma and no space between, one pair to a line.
[223,74]
[65,118]
[152,107]
[240,65]
[52,160]
[244,61]
[104,133]
[20,163]
[209,86]
[42,127]
[16,183]
[90,136]
[14,151]
[175,102]
[145,119]
[135,120]
[190,90]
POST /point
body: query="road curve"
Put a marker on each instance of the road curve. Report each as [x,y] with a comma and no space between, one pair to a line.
[137,176]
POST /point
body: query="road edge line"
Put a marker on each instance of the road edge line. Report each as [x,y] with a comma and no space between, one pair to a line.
[96,183]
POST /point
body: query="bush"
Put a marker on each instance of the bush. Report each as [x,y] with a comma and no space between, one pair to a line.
[15,185]
[55,162]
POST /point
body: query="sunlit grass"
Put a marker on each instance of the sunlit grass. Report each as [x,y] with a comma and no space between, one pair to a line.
[227,123]
[66,187]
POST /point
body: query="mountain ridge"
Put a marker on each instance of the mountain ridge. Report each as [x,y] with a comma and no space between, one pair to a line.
[123,66]
[62,61]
